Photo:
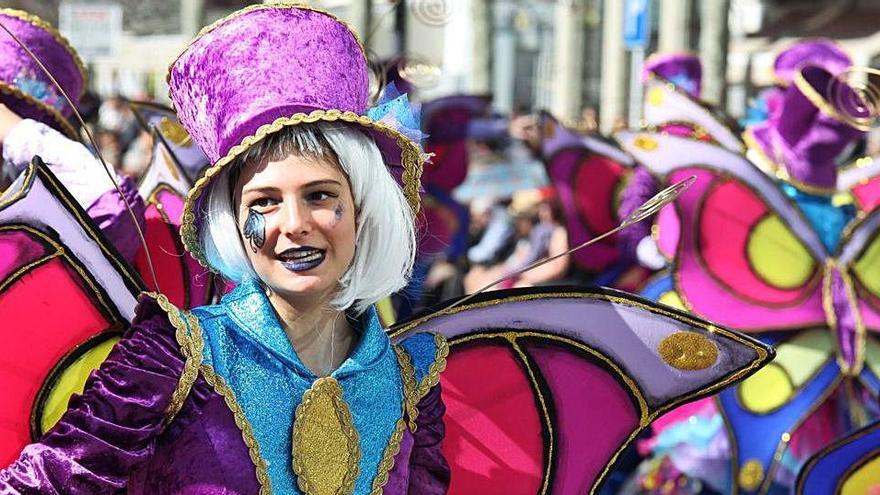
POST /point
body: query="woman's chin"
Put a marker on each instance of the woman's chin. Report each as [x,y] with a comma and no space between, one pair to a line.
[301,285]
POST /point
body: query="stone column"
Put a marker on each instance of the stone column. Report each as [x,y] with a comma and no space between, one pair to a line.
[614,87]
[568,59]
[674,25]
[714,41]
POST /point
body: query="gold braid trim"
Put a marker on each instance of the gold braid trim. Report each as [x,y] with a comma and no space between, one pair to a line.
[51,111]
[412,395]
[437,367]
[190,347]
[45,26]
[411,160]
[247,432]
[408,376]
[388,457]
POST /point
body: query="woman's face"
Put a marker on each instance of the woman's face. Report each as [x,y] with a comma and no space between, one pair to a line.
[296,219]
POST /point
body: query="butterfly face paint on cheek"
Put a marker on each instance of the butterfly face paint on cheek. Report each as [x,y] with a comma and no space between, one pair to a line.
[255,229]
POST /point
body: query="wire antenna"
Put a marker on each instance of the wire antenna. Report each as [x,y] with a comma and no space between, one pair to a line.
[645,210]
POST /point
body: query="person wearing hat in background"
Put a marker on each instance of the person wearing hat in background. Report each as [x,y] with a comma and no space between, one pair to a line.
[289,384]
[539,234]
[33,122]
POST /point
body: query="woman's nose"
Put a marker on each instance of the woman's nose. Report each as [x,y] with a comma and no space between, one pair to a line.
[295,221]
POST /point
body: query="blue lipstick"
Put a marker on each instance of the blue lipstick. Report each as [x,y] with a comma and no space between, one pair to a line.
[302,259]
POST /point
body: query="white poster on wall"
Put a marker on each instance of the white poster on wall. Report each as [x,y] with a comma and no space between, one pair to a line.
[94,30]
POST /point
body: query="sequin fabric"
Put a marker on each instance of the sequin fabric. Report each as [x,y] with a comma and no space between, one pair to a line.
[423,351]
[247,347]
[824,216]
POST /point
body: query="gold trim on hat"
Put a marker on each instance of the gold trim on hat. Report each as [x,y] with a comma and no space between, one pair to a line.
[45,26]
[52,111]
[825,106]
[410,160]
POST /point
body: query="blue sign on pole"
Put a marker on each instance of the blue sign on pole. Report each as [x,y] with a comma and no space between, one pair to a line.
[636,23]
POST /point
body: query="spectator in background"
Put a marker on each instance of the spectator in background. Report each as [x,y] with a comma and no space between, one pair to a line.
[115,115]
[137,158]
[539,234]
[549,239]
[110,146]
[495,230]
[589,122]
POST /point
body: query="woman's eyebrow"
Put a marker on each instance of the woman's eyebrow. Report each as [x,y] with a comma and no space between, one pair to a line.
[266,188]
[323,182]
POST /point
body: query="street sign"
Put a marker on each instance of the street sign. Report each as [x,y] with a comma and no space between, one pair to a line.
[94,30]
[636,24]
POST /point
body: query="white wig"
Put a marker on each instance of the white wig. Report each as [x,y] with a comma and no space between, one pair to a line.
[385,236]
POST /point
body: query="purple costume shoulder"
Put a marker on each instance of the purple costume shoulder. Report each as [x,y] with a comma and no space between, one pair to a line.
[151,420]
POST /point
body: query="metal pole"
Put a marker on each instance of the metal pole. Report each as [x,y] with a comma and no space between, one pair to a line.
[400,15]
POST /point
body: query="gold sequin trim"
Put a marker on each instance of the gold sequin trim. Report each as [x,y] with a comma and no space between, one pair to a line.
[411,159]
[388,457]
[54,113]
[751,474]
[247,432]
[45,26]
[688,351]
[326,452]
[190,346]
[408,376]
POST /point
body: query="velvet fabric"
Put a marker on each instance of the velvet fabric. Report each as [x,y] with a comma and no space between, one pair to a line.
[802,137]
[640,188]
[682,69]
[19,73]
[112,217]
[262,64]
[821,52]
[118,434]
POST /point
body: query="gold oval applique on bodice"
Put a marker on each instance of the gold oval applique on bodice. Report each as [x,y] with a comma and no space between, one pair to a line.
[326,452]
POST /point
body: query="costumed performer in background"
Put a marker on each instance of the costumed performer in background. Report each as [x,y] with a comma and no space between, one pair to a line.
[33,116]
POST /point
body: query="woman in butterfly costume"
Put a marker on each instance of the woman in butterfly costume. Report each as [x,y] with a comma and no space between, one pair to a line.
[787,256]
[290,384]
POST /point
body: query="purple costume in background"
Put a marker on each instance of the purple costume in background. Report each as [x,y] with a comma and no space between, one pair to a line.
[84,176]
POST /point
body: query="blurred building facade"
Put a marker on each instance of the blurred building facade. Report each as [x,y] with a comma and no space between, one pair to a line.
[561,55]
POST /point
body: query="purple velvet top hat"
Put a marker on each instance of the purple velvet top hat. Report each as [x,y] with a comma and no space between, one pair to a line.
[24,87]
[821,52]
[818,117]
[681,69]
[269,66]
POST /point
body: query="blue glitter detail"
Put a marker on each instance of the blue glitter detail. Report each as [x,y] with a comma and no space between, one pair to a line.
[826,219]
[684,82]
[248,348]
[422,349]
[43,91]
